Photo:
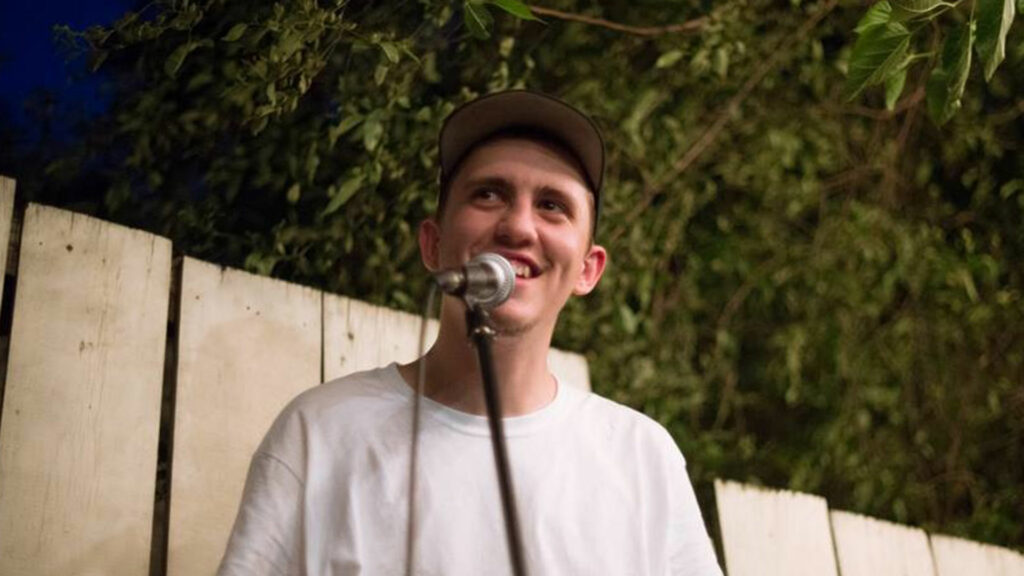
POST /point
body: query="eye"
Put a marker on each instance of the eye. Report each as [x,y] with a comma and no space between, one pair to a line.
[552,205]
[486,194]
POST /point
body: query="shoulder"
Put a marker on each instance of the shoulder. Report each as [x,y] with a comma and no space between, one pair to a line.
[622,425]
[350,405]
[357,390]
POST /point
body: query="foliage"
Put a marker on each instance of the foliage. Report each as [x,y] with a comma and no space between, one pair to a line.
[809,293]
[881,54]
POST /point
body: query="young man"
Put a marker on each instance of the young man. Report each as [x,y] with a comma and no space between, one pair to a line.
[601,489]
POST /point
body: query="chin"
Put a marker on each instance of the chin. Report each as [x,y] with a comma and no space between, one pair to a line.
[509,324]
[510,320]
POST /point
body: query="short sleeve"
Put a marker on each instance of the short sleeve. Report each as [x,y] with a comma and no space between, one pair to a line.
[267,536]
[692,553]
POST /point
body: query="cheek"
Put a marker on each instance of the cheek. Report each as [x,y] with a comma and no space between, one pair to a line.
[458,241]
[572,252]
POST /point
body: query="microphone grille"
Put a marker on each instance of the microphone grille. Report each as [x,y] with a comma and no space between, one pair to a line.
[501,280]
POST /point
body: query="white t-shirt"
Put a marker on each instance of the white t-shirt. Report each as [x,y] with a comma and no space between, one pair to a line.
[601,490]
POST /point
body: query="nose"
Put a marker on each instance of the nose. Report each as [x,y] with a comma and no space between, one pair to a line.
[517,226]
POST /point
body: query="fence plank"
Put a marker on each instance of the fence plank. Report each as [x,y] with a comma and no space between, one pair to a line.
[871,547]
[350,336]
[78,444]
[570,368]
[6,213]
[774,533]
[958,557]
[399,334]
[247,345]
[359,336]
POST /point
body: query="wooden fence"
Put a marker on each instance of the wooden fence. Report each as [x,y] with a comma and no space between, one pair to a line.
[135,389]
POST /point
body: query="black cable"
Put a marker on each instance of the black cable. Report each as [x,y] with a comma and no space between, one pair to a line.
[421,377]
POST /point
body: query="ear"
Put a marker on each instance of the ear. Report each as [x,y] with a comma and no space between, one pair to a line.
[593,267]
[430,238]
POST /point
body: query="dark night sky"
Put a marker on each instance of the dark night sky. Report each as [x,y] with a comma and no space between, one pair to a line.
[29,58]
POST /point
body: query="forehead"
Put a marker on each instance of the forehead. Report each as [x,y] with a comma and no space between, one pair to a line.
[526,161]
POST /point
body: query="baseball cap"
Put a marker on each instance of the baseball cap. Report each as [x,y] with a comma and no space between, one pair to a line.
[511,110]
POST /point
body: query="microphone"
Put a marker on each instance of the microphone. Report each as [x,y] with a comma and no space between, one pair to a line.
[485,282]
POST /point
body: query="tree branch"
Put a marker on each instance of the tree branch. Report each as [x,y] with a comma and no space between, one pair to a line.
[850,176]
[1008,115]
[686,27]
[778,54]
[879,114]
[891,176]
[892,172]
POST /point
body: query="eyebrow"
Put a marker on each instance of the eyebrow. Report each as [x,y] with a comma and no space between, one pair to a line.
[505,184]
[495,181]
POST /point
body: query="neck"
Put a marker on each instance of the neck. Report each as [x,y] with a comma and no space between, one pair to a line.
[453,375]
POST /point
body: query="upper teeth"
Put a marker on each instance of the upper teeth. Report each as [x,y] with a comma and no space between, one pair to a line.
[522,270]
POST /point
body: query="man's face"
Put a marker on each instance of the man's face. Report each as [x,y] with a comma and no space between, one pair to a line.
[526,200]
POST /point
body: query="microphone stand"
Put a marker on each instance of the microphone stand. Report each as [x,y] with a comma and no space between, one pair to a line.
[481,332]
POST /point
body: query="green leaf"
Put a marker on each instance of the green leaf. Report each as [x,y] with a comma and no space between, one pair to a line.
[198,81]
[877,53]
[720,62]
[262,264]
[946,83]
[293,193]
[96,59]
[372,131]
[380,74]
[177,58]
[917,6]
[347,123]
[628,319]
[1011,188]
[391,51]
[668,58]
[894,87]
[344,194]
[877,15]
[515,8]
[410,54]
[994,20]
[291,42]
[478,20]
[235,32]
[312,163]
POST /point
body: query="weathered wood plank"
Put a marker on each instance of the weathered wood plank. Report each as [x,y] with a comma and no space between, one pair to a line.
[570,368]
[247,345]
[870,547]
[959,557]
[359,336]
[399,334]
[6,214]
[774,533]
[78,444]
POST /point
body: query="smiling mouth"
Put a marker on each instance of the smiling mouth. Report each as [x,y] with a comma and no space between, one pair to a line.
[522,270]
